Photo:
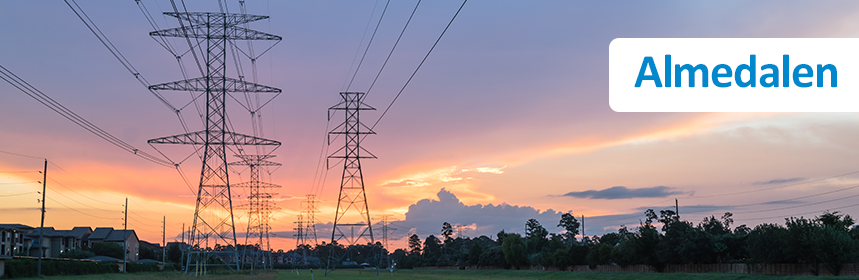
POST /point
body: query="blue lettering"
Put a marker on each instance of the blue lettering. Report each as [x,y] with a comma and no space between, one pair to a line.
[773,76]
[691,70]
[833,75]
[717,73]
[748,67]
[803,74]
[654,75]
[797,75]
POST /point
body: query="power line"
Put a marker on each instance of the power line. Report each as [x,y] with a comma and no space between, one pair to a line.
[85,182]
[358,50]
[41,97]
[94,216]
[128,66]
[72,199]
[20,155]
[368,45]
[393,48]
[113,50]
[17,194]
[777,187]
[70,189]
[419,66]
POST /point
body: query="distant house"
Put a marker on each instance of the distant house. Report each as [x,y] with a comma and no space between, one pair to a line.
[154,246]
[118,236]
[12,240]
[55,242]
[182,246]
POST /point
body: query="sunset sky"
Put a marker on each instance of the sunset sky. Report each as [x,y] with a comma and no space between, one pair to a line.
[508,119]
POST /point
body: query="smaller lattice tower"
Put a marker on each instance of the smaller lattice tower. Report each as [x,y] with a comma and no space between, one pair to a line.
[309,210]
[259,208]
[305,228]
[298,234]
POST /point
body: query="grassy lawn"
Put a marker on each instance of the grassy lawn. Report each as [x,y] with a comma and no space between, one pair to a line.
[430,274]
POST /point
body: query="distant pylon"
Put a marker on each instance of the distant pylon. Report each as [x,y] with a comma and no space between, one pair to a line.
[385,223]
[353,211]
[305,227]
[309,210]
[259,209]
[298,234]
[213,214]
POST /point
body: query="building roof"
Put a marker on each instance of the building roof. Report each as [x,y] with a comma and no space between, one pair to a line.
[77,232]
[46,231]
[119,235]
[100,233]
[16,227]
[80,232]
[154,246]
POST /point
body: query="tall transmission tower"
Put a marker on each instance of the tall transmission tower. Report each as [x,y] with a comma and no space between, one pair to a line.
[213,215]
[353,211]
[259,209]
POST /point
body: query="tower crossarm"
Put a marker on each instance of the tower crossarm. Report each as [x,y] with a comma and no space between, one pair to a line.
[200,31]
[202,18]
[261,185]
[199,138]
[255,160]
[216,84]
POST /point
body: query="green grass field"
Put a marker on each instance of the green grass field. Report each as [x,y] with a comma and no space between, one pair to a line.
[431,274]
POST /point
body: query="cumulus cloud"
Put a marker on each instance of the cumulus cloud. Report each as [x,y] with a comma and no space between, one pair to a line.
[621,192]
[778,181]
[426,217]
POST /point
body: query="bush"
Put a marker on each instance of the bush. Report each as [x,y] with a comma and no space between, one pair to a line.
[77,253]
[22,268]
[141,267]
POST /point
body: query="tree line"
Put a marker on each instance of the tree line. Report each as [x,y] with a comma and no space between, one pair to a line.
[826,242]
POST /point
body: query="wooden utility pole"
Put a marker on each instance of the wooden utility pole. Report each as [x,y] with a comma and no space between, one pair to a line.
[125,236]
[164,243]
[182,249]
[677,208]
[583,230]
[42,225]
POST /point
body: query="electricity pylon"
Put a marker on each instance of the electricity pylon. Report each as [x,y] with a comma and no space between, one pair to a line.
[213,214]
[305,226]
[259,209]
[309,210]
[353,211]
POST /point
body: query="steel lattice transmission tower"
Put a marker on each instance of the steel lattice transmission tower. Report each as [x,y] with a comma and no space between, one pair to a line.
[353,211]
[259,209]
[309,210]
[305,227]
[213,216]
